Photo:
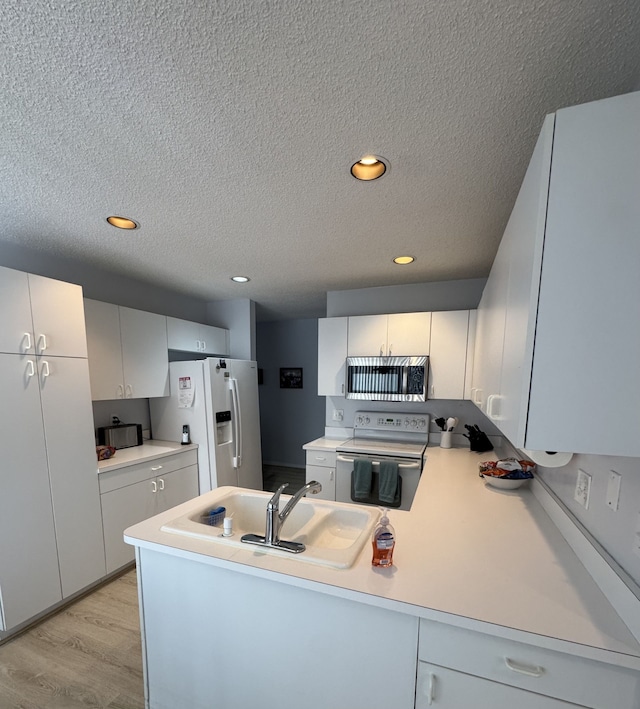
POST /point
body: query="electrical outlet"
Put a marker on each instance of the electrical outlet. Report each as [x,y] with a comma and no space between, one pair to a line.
[583,489]
[338,414]
[613,489]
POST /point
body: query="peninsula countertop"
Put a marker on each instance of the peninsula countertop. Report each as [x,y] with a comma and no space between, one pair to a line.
[466,554]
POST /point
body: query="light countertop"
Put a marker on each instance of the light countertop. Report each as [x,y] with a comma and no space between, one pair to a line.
[149,450]
[466,554]
[324,443]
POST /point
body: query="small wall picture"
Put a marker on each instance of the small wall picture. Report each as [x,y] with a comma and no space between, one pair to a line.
[291,378]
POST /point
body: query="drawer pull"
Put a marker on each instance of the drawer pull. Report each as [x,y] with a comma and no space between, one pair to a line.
[321,457]
[156,467]
[529,670]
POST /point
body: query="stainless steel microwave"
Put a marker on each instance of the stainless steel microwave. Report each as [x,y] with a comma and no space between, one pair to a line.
[387,378]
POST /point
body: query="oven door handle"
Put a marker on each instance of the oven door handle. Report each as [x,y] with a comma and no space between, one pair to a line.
[401,466]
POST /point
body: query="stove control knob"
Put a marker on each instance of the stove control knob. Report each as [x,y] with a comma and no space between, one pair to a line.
[359,420]
[422,423]
[367,420]
[406,422]
[414,423]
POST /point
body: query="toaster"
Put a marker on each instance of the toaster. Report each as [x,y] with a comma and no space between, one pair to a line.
[123,435]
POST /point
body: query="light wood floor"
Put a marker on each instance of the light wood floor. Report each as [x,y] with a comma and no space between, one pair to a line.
[87,655]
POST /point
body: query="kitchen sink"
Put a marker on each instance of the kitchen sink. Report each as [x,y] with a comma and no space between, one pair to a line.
[334,533]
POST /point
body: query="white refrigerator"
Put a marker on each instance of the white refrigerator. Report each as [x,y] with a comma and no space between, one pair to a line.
[218,400]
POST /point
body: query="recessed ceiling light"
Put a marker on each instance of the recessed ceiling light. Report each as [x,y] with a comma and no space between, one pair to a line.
[369,167]
[240,279]
[403,260]
[122,223]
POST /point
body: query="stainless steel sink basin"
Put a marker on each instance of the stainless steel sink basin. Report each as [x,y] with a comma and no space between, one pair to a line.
[333,532]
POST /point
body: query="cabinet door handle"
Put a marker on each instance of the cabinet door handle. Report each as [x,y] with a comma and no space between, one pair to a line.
[204,345]
[42,343]
[529,670]
[343,388]
[128,391]
[198,346]
[31,368]
[382,349]
[491,399]
[161,483]
[390,350]
[431,689]
[154,486]
[45,369]
[156,467]
[331,474]
[27,341]
[477,397]
[120,391]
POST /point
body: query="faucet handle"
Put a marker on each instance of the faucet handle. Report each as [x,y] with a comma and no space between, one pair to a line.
[275,499]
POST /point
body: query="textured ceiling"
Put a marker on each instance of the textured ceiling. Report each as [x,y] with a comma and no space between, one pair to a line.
[227,129]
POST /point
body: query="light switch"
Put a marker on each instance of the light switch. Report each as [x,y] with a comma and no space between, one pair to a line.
[613,489]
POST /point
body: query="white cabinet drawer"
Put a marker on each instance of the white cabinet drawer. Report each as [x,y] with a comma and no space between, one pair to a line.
[324,458]
[573,679]
[132,474]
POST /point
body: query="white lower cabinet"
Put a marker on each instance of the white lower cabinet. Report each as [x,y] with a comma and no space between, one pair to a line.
[446,689]
[321,466]
[464,669]
[136,492]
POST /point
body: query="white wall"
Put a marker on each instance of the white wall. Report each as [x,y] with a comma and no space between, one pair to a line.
[101,284]
[614,530]
[239,317]
[410,298]
[289,418]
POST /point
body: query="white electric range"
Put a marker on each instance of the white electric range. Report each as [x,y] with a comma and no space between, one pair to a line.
[383,436]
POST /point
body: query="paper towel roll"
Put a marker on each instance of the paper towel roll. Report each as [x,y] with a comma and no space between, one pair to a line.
[547,459]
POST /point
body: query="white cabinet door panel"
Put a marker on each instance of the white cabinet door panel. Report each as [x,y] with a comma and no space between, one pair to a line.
[448,355]
[326,477]
[332,356]
[183,335]
[105,350]
[214,340]
[442,688]
[68,424]
[29,576]
[120,509]
[16,333]
[58,317]
[144,354]
[367,336]
[177,487]
[408,334]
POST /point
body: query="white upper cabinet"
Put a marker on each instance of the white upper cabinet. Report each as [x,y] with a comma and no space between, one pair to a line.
[189,336]
[16,333]
[40,315]
[145,360]
[332,356]
[389,335]
[450,335]
[564,291]
[127,352]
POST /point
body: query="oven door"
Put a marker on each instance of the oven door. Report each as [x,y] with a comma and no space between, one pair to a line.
[409,471]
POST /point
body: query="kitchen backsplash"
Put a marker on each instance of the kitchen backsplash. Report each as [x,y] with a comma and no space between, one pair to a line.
[127,410]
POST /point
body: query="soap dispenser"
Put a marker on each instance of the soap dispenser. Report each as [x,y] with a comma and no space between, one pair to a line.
[383,542]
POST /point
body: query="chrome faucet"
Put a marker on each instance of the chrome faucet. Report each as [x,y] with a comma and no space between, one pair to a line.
[275,519]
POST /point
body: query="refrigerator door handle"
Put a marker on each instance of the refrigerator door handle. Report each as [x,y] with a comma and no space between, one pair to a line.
[237,423]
